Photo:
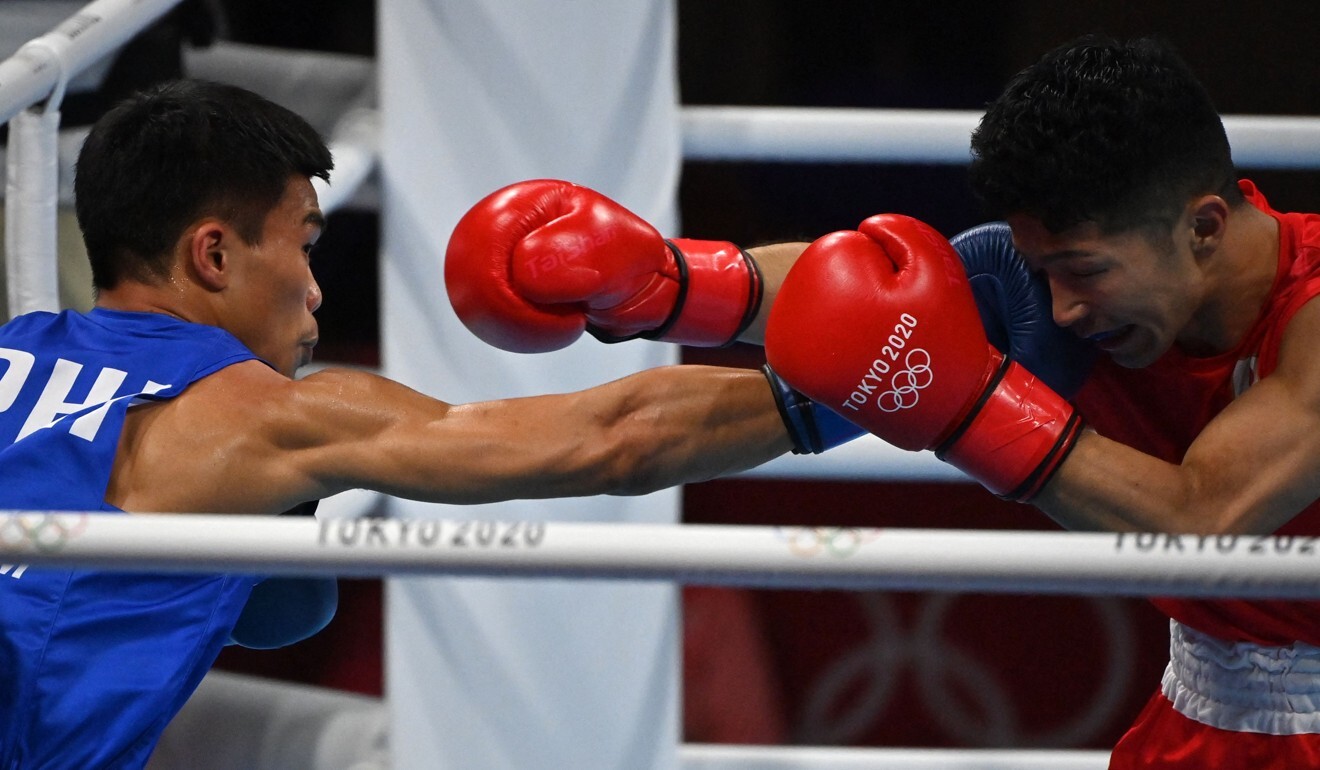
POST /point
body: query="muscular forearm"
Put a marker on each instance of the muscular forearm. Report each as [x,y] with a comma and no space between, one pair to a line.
[647,431]
[1106,486]
[691,423]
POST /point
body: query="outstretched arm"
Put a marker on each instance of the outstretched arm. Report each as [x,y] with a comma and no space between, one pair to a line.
[247,440]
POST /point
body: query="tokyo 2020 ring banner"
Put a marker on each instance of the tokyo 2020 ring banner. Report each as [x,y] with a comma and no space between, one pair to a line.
[474,96]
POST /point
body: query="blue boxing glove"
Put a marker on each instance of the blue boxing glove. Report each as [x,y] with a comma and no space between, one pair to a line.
[812,427]
[1017,312]
[283,610]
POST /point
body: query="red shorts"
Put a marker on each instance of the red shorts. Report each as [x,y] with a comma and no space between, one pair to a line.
[1163,739]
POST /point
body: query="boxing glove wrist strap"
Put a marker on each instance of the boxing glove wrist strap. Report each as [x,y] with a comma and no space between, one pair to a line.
[812,427]
[719,295]
[1016,437]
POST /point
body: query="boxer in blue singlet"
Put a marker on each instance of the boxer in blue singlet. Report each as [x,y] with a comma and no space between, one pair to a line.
[117,651]
[177,395]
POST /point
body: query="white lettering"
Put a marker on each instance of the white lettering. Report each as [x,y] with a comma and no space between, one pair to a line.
[878,369]
[16,373]
[13,570]
[51,405]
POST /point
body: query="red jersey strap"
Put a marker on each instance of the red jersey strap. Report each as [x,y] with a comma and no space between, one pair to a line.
[1298,281]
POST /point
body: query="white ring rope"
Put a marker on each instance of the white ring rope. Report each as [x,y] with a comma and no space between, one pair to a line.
[31,195]
[822,557]
[42,65]
[822,135]
[702,756]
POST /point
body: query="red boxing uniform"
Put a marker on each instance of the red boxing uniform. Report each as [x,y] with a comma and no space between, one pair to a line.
[1243,684]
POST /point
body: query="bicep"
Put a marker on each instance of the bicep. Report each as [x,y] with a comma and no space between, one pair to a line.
[247,440]
[1259,459]
[359,430]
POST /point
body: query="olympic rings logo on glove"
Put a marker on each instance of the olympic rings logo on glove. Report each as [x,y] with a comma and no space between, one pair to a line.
[907,383]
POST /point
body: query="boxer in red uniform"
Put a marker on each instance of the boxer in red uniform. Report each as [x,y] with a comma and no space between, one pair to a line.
[1113,171]
[1209,400]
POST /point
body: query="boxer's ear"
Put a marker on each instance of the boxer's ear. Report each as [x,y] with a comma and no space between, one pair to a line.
[1208,215]
[206,251]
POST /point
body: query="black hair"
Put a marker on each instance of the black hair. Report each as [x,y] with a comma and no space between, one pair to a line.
[1100,130]
[168,156]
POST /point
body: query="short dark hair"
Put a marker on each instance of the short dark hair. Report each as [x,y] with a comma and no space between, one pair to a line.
[1100,130]
[168,156]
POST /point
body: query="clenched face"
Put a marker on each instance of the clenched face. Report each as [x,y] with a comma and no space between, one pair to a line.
[272,284]
[1129,293]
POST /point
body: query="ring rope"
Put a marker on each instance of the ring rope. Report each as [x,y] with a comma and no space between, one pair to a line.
[851,558]
[704,756]
[849,135]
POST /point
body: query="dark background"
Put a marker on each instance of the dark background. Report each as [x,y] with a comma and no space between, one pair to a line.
[1254,58]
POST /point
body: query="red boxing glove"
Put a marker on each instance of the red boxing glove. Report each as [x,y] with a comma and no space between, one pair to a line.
[881,326]
[533,265]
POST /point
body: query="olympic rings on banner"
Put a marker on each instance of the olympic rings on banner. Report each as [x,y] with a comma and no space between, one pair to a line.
[839,542]
[45,532]
[957,688]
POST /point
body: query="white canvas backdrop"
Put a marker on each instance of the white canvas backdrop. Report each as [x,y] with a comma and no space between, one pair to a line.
[475,95]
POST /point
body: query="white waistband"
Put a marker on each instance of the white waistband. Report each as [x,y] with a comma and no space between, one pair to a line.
[1242,686]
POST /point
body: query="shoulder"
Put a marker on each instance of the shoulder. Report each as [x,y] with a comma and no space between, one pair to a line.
[259,386]
[240,385]
[252,398]
[248,439]
[1299,351]
[225,444]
